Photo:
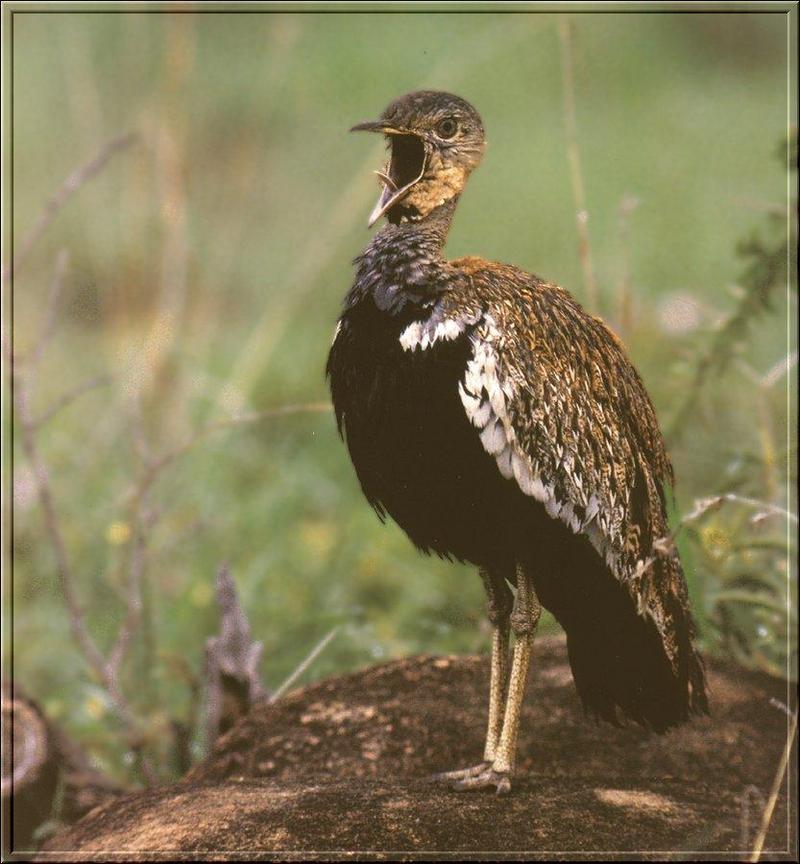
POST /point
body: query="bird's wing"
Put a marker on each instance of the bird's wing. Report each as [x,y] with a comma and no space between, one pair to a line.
[562,410]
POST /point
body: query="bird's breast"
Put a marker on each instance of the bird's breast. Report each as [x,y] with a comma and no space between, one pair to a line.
[394,383]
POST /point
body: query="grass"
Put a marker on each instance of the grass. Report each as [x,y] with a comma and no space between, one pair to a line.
[206,268]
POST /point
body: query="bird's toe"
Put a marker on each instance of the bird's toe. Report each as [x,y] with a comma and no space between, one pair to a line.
[500,781]
[461,773]
[483,779]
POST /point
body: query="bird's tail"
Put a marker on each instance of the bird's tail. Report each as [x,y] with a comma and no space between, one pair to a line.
[644,666]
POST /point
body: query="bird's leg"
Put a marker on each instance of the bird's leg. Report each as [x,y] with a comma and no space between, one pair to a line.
[524,619]
[499,606]
[499,611]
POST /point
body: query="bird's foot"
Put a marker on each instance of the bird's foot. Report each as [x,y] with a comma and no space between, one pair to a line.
[480,776]
[462,773]
[500,780]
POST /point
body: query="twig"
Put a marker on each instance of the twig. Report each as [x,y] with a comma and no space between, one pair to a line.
[69,397]
[776,703]
[155,468]
[664,545]
[67,189]
[703,505]
[51,315]
[766,818]
[136,617]
[141,445]
[106,670]
[133,604]
[105,674]
[53,529]
[315,652]
[781,368]
[573,154]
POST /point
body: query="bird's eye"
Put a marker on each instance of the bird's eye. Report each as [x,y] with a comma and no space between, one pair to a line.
[447,128]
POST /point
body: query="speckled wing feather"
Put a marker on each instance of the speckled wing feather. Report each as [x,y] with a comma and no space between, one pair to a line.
[561,408]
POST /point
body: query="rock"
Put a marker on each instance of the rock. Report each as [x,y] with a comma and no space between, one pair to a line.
[342,767]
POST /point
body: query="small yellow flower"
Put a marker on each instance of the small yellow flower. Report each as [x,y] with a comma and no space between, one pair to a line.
[368,566]
[716,540]
[317,537]
[95,707]
[118,533]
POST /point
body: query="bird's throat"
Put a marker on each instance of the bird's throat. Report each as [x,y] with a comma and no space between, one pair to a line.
[413,216]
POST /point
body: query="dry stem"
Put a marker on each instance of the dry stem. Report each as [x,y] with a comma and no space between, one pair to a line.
[664,545]
[573,154]
[105,669]
[624,294]
[64,192]
[51,315]
[158,464]
[69,397]
[780,772]
[52,526]
[312,656]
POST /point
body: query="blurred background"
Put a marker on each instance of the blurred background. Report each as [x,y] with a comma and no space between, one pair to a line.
[173,309]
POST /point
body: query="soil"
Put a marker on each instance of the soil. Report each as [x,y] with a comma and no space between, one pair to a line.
[341,769]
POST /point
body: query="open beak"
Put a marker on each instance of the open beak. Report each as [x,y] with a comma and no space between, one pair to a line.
[406,166]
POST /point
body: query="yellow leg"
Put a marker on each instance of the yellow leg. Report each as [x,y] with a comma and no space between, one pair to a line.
[499,611]
[498,687]
[524,619]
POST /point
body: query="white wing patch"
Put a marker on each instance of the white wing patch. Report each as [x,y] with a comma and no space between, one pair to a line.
[486,394]
[423,334]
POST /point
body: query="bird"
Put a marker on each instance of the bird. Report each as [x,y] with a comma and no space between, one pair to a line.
[498,423]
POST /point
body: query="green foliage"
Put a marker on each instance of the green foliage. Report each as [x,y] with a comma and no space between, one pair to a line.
[752,607]
[750,558]
[207,265]
[764,274]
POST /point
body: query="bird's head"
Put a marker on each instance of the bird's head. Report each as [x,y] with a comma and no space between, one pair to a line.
[436,139]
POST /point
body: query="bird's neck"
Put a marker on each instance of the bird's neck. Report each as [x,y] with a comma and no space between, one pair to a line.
[403,264]
[427,234]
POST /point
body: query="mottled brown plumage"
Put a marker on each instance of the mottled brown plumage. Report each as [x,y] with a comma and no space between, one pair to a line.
[497,422]
[575,420]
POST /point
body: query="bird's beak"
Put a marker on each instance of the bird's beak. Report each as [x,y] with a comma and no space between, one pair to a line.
[405,169]
[373,126]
